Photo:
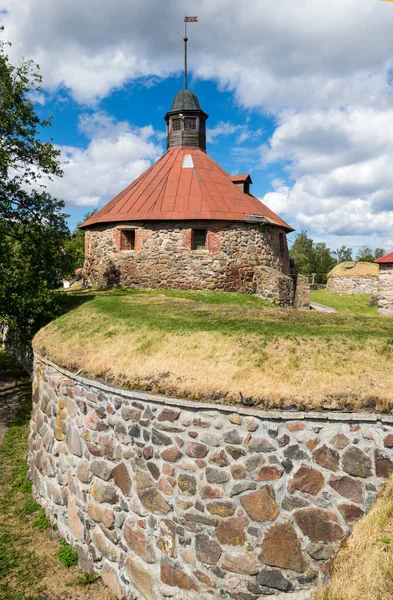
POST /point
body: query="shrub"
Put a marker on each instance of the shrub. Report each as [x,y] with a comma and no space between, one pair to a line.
[66,555]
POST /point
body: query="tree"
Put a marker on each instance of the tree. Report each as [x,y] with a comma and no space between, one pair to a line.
[32,223]
[379,252]
[366,254]
[312,258]
[75,246]
[343,254]
[303,254]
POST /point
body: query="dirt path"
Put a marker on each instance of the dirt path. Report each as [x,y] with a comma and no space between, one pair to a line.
[29,565]
[13,380]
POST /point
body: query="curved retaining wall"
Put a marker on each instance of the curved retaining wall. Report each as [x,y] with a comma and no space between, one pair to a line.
[169,498]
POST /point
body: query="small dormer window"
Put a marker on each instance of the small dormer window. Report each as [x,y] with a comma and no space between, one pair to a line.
[190,124]
[176,125]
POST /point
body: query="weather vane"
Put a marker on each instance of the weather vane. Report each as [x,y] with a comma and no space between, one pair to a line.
[187,20]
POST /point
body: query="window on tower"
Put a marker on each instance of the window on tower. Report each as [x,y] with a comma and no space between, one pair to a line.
[176,125]
[127,239]
[199,239]
[190,124]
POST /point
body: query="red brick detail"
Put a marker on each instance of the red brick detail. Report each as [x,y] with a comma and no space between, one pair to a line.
[187,239]
[116,233]
[213,241]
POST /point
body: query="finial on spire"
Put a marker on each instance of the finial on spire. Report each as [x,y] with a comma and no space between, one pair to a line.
[187,20]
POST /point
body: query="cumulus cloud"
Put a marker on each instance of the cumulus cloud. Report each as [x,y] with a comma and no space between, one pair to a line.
[341,162]
[115,156]
[243,132]
[274,53]
[322,69]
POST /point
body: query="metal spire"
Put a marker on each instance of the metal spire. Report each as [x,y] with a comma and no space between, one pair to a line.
[187,20]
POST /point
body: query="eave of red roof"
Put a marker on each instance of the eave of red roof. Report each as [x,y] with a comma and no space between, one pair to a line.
[388,258]
[184,184]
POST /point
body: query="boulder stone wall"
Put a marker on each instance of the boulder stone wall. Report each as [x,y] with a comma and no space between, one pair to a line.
[169,498]
[163,257]
[385,289]
[353,285]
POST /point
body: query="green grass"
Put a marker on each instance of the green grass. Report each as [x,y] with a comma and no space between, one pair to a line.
[344,303]
[227,313]
[28,546]
[66,555]
[18,567]
[41,522]
[206,345]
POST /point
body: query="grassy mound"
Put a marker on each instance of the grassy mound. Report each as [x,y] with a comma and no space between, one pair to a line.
[209,345]
[363,569]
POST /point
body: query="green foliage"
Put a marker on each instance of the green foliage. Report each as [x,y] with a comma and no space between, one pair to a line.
[366,254]
[30,506]
[75,247]
[379,252]
[66,555]
[385,540]
[343,254]
[86,579]
[32,224]
[41,522]
[312,258]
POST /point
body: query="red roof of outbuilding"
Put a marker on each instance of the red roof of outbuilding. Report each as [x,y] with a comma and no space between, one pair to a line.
[388,258]
[185,184]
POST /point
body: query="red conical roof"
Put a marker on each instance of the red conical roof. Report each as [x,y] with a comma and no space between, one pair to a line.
[185,184]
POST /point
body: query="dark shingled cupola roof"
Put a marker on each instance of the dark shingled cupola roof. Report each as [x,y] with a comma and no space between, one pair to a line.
[185,100]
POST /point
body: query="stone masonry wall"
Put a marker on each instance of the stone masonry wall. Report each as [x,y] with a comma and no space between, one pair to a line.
[163,258]
[353,285]
[169,498]
[273,285]
[385,289]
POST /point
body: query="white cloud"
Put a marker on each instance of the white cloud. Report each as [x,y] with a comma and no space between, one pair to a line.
[243,132]
[273,53]
[341,162]
[322,68]
[115,156]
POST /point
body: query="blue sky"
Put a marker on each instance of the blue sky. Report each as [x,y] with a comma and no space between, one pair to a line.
[299,95]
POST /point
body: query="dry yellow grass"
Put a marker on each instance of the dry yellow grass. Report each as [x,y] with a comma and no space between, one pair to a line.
[311,371]
[363,569]
[355,269]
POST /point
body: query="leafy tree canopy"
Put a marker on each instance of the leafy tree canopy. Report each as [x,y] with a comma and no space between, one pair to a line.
[32,222]
[343,254]
[366,254]
[75,246]
[312,259]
